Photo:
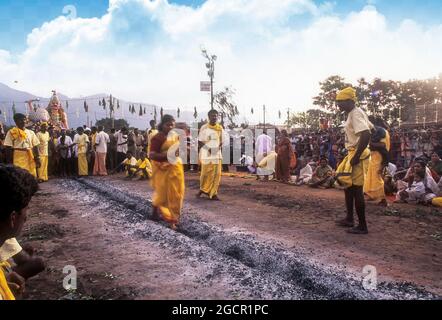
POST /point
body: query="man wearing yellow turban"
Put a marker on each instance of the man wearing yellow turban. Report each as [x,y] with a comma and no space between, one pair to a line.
[346,94]
[351,172]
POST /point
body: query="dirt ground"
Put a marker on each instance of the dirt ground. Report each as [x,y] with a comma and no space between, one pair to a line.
[263,240]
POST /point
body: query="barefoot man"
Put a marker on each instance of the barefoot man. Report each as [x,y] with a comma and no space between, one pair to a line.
[351,172]
[211,156]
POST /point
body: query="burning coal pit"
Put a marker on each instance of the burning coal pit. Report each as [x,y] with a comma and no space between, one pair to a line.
[256,269]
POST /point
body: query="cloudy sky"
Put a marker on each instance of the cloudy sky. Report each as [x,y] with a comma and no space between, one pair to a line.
[271,52]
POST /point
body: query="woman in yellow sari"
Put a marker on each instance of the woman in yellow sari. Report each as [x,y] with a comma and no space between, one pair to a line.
[168,173]
[374,182]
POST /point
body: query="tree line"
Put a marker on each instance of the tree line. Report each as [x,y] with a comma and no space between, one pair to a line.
[391,100]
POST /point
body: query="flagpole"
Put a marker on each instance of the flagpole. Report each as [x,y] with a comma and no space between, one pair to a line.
[288,119]
[264,112]
[112,112]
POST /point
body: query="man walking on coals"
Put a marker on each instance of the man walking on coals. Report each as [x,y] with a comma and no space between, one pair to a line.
[351,172]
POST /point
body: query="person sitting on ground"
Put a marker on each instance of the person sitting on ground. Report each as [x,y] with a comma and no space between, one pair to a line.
[305,174]
[431,187]
[435,166]
[415,192]
[144,167]
[437,201]
[323,175]
[17,186]
[129,165]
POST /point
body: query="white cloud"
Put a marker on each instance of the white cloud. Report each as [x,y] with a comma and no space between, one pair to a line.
[150,51]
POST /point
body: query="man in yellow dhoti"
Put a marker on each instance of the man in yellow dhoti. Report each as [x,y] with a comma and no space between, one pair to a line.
[23,143]
[18,188]
[168,173]
[210,138]
[351,172]
[379,146]
[81,140]
[43,137]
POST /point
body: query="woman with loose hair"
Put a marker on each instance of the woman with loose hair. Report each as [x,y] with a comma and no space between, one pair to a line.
[168,173]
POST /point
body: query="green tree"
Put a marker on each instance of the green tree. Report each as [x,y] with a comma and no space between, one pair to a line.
[223,102]
[329,88]
[311,119]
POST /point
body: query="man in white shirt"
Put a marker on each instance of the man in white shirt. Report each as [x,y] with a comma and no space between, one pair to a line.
[121,145]
[101,141]
[264,146]
[64,149]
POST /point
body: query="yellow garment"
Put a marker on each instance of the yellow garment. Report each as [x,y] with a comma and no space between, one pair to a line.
[211,158]
[43,170]
[18,134]
[82,165]
[152,134]
[23,141]
[131,162]
[374,183]
[346,94]
[168,184]
[268,162]
[347,175]
[145,165]
[43,147]
[437,202]
[210,178]
[25,160]
[44,143]
[5,291]
[81,141]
